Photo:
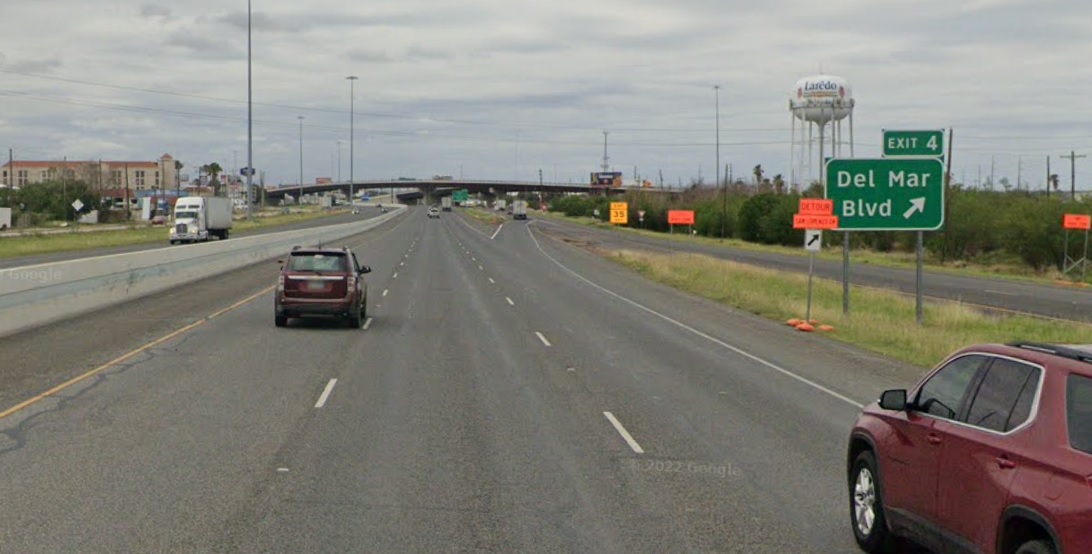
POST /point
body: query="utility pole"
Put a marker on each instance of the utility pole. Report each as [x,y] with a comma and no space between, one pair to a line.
[1048,178]
[1073,157]
[300,117]
[249,112]
[1019,172]
[339,161]
[723,186]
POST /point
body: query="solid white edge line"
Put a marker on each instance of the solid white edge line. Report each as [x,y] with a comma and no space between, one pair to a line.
[367,322]
[543,339]
[472,228]
[326,393]
[712,339]
[509,301]
[497,232]
[625,434]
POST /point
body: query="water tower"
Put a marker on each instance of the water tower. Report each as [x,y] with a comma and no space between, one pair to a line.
[817,102]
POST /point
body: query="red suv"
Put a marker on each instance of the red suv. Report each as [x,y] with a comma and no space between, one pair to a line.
[990,453]
[321,282]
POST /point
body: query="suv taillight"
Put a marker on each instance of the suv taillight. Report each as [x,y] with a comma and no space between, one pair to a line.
[280,283]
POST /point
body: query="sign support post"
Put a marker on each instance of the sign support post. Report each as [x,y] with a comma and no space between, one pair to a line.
[1079,223]
[815,215]
[811,270]
[920,277]
[845,273]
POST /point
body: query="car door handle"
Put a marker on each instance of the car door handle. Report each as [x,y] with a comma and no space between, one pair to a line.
[1005,463]
[933,439]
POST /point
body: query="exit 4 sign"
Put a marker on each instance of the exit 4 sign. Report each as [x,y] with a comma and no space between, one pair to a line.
[917,144]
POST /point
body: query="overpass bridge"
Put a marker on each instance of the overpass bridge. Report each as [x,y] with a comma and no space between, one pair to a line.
[435,187]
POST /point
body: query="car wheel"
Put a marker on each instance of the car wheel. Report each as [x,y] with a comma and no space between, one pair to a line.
[364,309]
[354,321]
[866,513]
[280,320]
[1036,547]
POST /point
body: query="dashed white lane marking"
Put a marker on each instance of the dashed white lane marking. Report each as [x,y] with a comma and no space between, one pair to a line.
[542,338]
[625,434]
[705,336]
[326,393]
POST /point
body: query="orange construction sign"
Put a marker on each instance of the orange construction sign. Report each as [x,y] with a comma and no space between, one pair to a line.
[680,217]
[814,222]
[1077,221]
[816,206]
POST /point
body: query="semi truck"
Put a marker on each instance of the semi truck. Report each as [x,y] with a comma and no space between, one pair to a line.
[196,218]
[519,209]
[446,203]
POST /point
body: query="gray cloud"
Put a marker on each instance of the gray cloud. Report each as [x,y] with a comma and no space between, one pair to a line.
[153,11]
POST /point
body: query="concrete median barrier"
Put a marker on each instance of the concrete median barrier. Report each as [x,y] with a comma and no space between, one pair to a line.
[36,295]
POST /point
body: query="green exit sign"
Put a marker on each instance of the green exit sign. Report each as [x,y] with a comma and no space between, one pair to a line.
[887,194]
[913,143]
[460,195]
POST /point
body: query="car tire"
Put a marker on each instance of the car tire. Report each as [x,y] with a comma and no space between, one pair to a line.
[355,320]
[280,321]
[866,510]
[1036,547]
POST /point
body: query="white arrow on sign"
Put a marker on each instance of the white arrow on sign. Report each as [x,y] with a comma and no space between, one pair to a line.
[916,205]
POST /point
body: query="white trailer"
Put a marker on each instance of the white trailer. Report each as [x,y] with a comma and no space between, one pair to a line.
[196,218]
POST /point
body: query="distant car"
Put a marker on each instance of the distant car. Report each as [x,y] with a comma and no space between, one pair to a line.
[990,453]
[321,282]
[384,209]
[356,211]
[433,212]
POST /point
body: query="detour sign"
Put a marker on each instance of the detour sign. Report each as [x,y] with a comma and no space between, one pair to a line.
[680,217]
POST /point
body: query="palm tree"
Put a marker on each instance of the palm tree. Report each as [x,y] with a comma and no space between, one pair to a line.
[779,184]
[758,173]
[213,170]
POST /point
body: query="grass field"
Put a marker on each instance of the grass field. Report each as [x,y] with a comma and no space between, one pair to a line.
[881,321]
[11,247]
[904,260]
[485,216]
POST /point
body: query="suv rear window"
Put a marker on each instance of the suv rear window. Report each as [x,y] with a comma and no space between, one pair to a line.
[317,261]
[1078,405]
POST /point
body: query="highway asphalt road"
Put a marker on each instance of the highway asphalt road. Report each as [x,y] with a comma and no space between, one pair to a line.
[1016,296]
[5,263]
[509,393]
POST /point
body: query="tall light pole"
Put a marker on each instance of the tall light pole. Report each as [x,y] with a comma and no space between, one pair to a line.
[724,185]
[300,117]
[249,113]
[339,161]
[352,97]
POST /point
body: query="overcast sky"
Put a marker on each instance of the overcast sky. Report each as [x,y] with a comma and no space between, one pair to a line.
[498,90]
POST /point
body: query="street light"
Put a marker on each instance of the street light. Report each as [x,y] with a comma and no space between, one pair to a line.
[249,113]
[339,161]
[300,117]
[724,186]
[352,97]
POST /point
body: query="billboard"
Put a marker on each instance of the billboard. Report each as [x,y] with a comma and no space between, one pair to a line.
[612,179]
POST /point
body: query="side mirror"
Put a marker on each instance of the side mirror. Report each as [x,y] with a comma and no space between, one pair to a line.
[365,269]
[894,400]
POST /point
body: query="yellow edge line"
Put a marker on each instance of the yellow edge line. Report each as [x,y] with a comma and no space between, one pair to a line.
[34,400]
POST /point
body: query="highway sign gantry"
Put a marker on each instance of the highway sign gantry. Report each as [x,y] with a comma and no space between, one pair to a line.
[921,144]
[887,194]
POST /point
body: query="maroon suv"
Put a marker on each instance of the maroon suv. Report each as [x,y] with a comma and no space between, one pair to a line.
[990,453]
[321,282]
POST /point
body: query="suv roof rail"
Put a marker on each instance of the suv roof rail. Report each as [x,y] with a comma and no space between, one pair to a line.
[1063,351]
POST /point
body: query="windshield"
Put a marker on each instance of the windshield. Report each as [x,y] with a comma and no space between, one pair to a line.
[185,214]
[317,262]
